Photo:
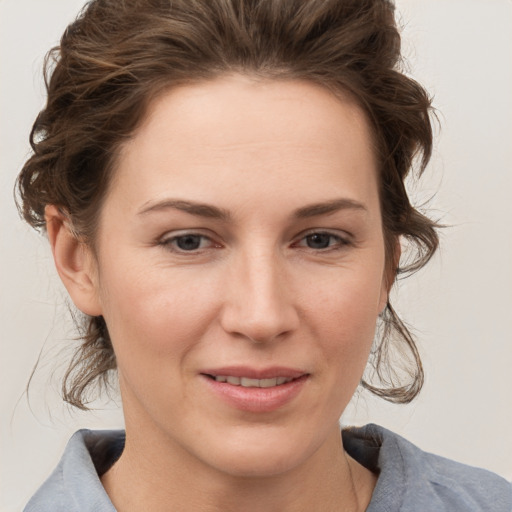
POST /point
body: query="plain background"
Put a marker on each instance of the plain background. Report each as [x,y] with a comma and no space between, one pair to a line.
[460,307]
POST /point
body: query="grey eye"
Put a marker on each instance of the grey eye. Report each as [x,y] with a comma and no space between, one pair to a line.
[319,240]
[188,242]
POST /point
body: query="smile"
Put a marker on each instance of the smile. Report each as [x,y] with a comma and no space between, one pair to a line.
[255,390]
[248,382]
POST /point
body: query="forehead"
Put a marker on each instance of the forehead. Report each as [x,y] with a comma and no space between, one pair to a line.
[246,133]
[280,110]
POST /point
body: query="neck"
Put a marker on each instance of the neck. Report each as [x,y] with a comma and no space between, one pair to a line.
[161,476]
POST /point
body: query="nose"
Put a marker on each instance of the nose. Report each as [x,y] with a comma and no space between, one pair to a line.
[258,302]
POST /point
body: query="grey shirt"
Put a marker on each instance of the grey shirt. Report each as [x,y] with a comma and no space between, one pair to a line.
[410,480]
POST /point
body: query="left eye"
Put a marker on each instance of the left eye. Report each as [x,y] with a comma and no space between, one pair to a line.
[320,241]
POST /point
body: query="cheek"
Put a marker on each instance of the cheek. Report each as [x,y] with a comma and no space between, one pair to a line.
[343,314]
[155,312]
[343,317]
[347,301]
[156,323]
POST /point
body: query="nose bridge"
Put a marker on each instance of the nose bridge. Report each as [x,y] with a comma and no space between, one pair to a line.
[260,305]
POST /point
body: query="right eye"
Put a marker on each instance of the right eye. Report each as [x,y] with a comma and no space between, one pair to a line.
[187,242]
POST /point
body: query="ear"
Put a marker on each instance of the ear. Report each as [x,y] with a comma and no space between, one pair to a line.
[74,261]
[390,272]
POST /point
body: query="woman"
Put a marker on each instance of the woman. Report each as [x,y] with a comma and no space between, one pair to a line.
[222,187]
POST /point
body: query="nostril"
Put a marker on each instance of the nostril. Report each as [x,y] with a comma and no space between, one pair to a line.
[264,316]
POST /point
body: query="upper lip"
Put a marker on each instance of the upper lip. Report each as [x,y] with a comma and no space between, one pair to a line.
[255,373]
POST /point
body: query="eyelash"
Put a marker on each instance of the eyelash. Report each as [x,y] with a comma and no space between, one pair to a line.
[171,243]
[339,242]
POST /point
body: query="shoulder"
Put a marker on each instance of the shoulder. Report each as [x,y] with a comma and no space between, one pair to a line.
[74,485]
[411,479]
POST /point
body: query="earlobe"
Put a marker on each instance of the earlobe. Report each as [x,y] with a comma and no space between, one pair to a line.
[74,262]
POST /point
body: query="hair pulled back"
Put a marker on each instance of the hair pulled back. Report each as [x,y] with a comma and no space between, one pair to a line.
[119,55]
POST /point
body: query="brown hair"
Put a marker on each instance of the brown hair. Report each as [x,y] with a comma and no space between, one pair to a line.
[120,54]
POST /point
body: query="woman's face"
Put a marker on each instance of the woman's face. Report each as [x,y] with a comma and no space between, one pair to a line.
[240,270]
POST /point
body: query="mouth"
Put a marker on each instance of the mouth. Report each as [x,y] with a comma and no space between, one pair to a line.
[248,382]
[256,391]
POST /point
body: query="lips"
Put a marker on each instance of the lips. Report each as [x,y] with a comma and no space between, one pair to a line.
[255,390]
[255,373]
[247,382]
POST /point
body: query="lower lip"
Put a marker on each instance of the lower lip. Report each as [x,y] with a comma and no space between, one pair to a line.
[257,399]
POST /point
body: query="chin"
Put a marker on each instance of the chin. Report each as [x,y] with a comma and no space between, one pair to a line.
[262,454]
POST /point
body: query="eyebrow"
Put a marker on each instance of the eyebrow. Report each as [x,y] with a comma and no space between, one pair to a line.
[213,212]
[192,207]
[329,207]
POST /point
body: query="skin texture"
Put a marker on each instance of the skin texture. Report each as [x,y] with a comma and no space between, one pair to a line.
[258,289]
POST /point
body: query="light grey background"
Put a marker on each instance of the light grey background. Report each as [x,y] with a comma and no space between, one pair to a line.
[460,307]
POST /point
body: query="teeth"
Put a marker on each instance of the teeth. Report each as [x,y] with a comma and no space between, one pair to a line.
[247,382]
[268,383]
